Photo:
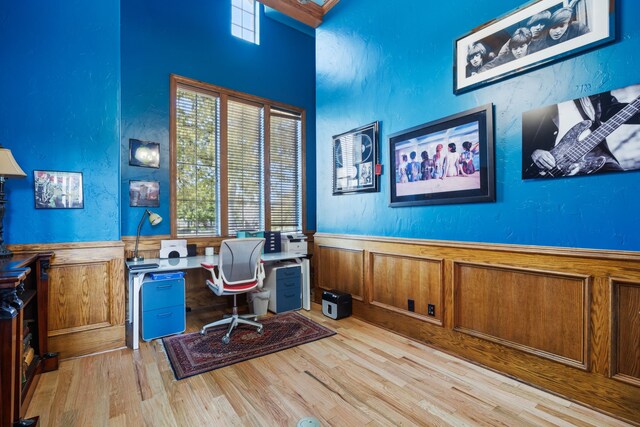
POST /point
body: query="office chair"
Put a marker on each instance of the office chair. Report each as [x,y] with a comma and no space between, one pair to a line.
[239,270]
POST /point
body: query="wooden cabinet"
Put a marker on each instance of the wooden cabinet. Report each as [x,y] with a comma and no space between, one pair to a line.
[24,351]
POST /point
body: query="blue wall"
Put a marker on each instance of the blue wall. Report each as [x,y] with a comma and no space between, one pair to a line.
[394,64]
[193,40]
[60,85]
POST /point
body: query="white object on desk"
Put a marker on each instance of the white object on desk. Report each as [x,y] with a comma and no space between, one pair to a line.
[294,243]
[136,277]
[208,251]
[173,248]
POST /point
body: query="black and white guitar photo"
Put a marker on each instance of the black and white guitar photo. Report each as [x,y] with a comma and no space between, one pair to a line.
[582,148]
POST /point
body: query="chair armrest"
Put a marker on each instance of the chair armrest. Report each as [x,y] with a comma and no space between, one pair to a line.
[215,284]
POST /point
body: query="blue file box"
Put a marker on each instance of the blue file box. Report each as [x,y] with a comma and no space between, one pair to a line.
[163,305]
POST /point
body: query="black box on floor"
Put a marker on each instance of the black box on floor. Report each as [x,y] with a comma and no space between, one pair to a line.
[336,304]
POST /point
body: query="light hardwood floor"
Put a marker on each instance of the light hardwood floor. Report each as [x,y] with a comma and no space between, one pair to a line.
[361,376]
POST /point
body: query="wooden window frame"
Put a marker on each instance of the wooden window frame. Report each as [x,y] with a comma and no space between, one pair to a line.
[224,94]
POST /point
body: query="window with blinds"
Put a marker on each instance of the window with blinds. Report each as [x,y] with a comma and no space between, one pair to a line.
[197,141]
[284,170]
[237,162]
[245,172]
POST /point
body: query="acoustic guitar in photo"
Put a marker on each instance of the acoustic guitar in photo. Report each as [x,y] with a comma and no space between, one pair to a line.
[573,155]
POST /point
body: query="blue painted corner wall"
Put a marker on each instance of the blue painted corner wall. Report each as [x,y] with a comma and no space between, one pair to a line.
[60,110]
[394,64]
[194,41]
[79,79]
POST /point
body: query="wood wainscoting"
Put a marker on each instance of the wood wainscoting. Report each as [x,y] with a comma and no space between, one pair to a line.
[86,296]
[565,320]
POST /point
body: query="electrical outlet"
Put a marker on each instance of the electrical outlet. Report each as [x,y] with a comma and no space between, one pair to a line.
[431,309]
[411,305]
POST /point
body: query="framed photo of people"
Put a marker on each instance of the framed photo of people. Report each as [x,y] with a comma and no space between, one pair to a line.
[585,136]
[446,161]
[355,156]
[537,33]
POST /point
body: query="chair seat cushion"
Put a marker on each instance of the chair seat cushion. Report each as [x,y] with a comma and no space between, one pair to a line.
[241,287]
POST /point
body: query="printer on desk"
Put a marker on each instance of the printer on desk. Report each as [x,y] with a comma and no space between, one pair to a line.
[173,248]
[294,243]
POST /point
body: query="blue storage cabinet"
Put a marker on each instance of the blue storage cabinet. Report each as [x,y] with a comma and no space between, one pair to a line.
[163,305]
[285,284]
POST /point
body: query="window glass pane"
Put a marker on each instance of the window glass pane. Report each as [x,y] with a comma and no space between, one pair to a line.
[285,172]
[247,35]
[245,20]
[197,136]
[236,16]
[236,31]
[244,163]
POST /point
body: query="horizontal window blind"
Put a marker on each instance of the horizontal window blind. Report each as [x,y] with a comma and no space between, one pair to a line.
[285,171]
[245,161]
[197,136]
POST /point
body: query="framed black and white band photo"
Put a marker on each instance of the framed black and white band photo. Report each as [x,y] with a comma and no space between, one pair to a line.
[355,156]
[585,136]
[537,33]
[446,161]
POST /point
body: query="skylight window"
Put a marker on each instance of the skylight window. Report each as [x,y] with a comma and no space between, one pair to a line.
[245,20]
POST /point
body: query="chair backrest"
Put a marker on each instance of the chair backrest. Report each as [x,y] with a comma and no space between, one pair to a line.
[239,258]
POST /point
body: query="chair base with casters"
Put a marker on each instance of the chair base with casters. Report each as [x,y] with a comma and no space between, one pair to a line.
[233,320]
[239,270]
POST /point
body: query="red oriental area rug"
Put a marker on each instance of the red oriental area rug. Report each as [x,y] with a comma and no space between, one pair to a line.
[192,354]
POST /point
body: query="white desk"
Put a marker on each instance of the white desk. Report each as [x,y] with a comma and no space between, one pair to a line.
[136,277]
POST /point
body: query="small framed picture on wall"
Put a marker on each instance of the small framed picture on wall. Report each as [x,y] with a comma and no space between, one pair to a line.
[355,156]
[144,153]
[58,190]
[144,193]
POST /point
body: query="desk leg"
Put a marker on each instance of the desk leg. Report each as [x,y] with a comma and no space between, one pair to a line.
[135,315]
[306,285]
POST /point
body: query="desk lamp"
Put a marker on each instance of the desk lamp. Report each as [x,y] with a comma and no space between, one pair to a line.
[154,219]
[8,169]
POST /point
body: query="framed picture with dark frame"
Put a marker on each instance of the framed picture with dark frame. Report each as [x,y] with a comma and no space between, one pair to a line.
[355,156]
[144,153]
[537,33]
[144,193]
[446,161]
[58,190]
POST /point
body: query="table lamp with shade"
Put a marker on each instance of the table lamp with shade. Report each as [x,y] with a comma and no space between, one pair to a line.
[8,169]
[154,219]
